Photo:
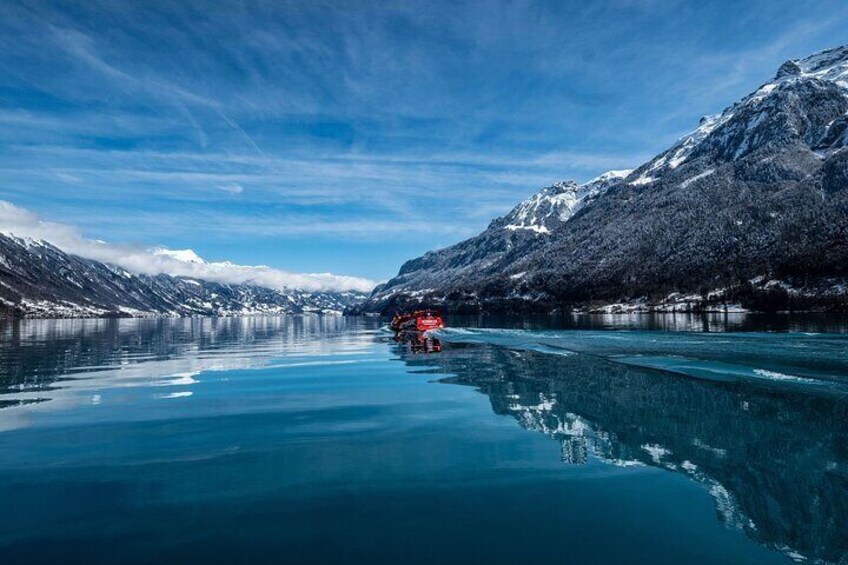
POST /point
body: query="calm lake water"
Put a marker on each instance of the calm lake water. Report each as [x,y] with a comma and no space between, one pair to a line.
[675,439]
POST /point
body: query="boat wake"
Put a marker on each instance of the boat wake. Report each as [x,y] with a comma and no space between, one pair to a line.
[779,359]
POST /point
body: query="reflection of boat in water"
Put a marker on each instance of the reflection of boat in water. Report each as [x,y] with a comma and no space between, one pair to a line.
[418,342]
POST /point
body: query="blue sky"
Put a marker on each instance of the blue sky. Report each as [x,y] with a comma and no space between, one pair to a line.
[351,136]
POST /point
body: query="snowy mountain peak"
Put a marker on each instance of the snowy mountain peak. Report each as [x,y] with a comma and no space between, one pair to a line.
[762,116]
[553,205]
[561,187]
[545,210]
[788,69]
[600,184]
[831,64]
[610,176]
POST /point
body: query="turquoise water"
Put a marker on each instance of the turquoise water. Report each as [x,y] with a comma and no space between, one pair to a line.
[321,440]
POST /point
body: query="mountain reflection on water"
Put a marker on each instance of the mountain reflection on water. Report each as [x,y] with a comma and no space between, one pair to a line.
[774,459]
[65,362]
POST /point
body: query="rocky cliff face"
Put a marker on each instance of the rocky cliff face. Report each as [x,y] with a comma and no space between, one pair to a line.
[752,203]
[38,279]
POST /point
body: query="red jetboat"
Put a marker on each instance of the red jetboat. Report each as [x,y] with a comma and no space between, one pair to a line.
[418,321]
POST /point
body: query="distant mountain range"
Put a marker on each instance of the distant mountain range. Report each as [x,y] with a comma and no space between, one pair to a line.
[38,279]
[749,211]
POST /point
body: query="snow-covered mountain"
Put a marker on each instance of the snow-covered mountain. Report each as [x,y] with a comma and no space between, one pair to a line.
[532,220]
[38,279]
[754,197]
[814,91]
[549,208]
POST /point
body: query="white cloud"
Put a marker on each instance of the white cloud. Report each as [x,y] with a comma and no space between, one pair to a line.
[24,223]
[66,177]
[232,188]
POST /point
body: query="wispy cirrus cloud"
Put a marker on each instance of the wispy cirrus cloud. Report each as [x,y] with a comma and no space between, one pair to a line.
[232,188]
[312,127]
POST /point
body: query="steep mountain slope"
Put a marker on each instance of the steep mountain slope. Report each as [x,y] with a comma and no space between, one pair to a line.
[756,193]
[39,280]
[504,241]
